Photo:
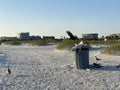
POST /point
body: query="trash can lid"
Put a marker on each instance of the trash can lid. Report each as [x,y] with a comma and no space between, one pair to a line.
[84,48]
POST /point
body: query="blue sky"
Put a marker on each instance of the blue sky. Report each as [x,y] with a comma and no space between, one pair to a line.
[54,17]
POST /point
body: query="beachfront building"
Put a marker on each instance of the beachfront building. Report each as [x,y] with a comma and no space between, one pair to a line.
[35,37]
[48,37]
[7,38]
[23,36]
[90,36]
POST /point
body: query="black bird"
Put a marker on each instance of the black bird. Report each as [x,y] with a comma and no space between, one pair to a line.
[72,37]
[118,66]
[9,71]
[98,59]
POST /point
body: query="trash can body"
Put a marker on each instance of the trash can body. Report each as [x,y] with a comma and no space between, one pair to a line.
[82,57]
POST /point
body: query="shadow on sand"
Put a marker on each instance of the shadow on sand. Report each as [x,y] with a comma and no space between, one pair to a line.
[106,68]
[3,58]
[97,48]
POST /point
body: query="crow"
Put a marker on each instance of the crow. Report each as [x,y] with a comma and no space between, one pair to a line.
[9,71]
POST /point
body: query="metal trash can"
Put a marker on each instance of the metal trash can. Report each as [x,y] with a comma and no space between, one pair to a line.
[81,57]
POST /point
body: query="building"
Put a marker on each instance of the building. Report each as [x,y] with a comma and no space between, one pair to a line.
[35,37]
[90,36]
[23,36]
[48,37]
[7,38]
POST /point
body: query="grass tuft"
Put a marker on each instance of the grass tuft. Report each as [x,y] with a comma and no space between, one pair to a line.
[67,44]
[113,49]
[13,43]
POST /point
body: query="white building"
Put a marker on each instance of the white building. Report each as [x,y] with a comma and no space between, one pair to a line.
[48,37]
[90,36]
[23,36]
[8,38]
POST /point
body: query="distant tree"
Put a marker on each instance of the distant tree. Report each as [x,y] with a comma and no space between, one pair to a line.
[113,37]
[116,37]
[102,37]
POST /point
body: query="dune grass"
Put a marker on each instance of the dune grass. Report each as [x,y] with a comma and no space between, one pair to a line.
[113,49]
[13,43]
[67,44]
[42,42]
[32,42]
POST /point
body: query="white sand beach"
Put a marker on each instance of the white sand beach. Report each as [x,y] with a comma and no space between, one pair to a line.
[46,68]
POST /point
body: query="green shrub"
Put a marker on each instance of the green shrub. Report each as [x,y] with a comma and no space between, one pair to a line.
[67,44]
[13,43]
[100,42]
[42,42]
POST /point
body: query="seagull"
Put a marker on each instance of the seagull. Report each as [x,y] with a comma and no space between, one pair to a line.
[9,71]
[98,59]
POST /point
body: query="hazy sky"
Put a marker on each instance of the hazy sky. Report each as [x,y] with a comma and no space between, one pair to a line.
[55,17]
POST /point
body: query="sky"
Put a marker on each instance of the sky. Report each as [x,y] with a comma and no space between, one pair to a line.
[55,17]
